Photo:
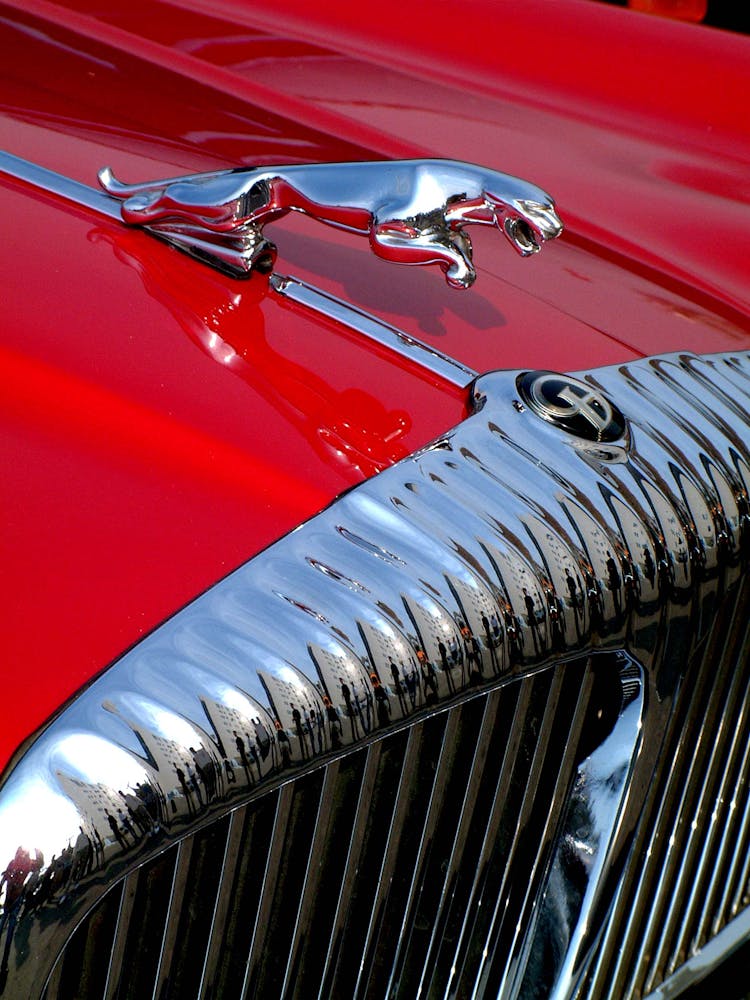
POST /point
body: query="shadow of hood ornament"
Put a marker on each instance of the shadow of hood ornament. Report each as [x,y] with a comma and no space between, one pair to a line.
[412,211]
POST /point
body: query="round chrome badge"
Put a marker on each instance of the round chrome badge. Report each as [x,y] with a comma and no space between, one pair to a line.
[572,405]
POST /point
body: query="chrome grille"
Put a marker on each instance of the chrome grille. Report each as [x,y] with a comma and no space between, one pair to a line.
[506,547]
[402,868]
[688,874]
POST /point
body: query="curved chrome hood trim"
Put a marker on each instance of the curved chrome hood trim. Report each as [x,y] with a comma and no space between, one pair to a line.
[504,545]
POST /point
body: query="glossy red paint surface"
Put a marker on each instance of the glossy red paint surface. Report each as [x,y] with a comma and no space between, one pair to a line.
[161,423]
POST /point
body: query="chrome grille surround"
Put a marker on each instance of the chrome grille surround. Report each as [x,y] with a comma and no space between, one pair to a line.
[503,547]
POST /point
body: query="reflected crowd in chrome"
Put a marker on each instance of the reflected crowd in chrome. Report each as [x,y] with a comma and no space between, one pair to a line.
[506,545]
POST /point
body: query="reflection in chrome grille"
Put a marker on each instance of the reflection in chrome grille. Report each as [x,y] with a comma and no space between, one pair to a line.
[403,867]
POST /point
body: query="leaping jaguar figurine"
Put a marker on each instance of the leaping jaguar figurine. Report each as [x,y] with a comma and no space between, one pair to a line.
[412,211]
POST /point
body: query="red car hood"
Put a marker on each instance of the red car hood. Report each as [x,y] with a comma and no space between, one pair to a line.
[163,423]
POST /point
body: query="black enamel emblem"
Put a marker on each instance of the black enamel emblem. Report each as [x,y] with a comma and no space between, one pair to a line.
[573,405]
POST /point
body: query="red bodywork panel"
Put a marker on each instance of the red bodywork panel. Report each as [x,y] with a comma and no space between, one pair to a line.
[162,423]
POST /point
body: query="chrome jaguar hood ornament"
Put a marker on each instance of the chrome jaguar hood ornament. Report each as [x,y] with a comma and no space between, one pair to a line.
[412,211]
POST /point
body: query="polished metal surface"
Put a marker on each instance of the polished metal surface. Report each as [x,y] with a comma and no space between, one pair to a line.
[65,187]
[378,874]
[552,947]
[680,888]
[375,329]
[508,545]
[412,211]
[239,253]
[698,966]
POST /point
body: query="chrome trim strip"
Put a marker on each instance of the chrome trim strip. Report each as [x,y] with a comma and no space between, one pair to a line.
[293,289]
[375,329]
[507,544]
[49,180]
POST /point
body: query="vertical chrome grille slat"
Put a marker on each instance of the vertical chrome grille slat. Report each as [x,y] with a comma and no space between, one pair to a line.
[351,866]
[294,863]
[498,921]
[717,676]
[724,768]
[178,889]
[680,910]
[463,826]
[712,912]
[240,899]
[521,712]
[229,863]
[692,815]
[117,953]
[671,886]
[635,907]
[409,775]
[654,874]
[447,748]
[311,883]
[734,845]
[270,874]
[741,897]
[432,870]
